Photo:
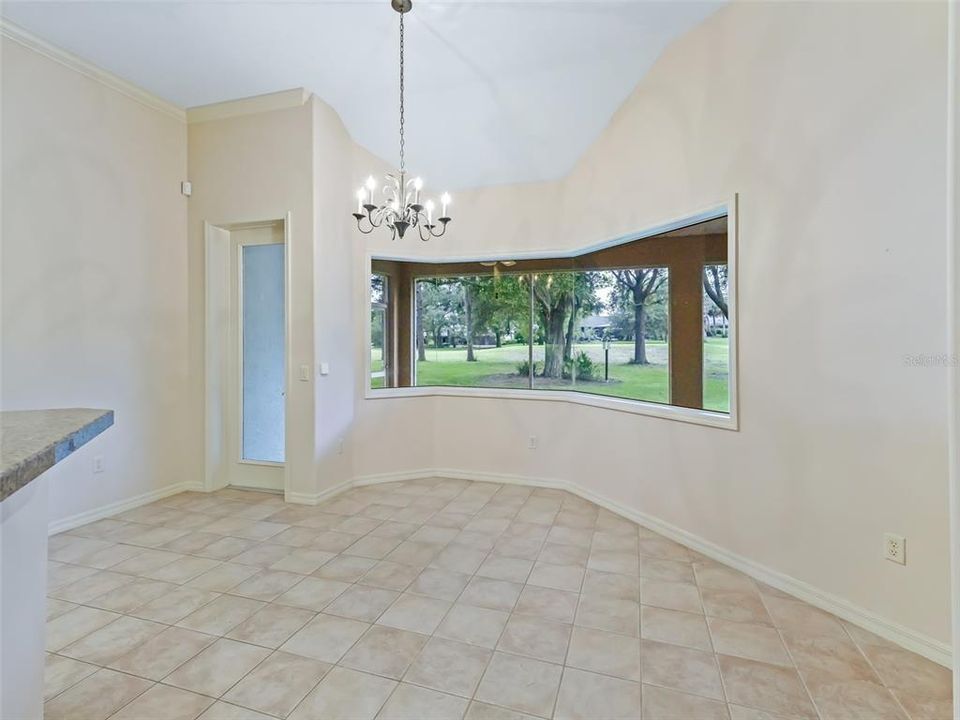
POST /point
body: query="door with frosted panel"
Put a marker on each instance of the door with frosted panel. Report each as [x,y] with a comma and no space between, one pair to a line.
[259,361]
[263,353]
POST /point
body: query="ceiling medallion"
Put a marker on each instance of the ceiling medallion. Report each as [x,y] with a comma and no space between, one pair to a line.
[401,208]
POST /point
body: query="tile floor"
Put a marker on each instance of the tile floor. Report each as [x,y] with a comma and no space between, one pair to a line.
[440,599]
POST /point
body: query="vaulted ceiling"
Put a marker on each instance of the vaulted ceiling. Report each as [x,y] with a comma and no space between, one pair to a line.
[497,92]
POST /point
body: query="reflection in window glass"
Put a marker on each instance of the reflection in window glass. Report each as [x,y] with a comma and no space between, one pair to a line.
[379,346]
[716,336]
[472,331]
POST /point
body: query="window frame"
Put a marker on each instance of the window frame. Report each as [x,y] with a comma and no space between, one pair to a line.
[708,418]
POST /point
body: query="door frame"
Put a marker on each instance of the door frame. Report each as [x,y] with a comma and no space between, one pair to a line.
[220,310]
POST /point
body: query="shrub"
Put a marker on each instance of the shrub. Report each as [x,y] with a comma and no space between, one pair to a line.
[523,368]
[584,365]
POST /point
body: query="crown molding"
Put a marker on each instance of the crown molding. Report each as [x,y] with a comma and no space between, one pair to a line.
[27,39]
[295,97]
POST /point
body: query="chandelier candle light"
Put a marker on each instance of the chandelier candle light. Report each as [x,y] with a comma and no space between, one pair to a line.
[401,208]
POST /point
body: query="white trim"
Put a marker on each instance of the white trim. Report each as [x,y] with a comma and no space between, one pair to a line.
[268,102]
[938,652]
[723,421]
[88,69]
[73,521]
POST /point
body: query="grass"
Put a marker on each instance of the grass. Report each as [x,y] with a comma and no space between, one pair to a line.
[497,367]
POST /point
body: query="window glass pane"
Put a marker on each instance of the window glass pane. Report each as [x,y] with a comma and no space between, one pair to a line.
[613,338]
[716,339]
[473,331]
[263,353]
[379,346]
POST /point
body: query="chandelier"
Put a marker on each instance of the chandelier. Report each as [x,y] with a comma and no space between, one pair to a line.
[401,208]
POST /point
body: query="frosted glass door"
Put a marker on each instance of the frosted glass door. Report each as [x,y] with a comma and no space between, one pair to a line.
[263,361]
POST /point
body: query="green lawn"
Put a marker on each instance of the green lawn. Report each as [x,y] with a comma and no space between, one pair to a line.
[497,367]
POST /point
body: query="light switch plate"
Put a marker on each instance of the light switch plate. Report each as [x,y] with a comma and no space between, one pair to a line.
[304,373]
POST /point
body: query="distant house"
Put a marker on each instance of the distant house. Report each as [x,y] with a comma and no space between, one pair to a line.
[594,327]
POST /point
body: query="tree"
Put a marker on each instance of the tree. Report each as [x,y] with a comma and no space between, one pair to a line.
[421,341]
[715,286]
[641,284]
[553,297]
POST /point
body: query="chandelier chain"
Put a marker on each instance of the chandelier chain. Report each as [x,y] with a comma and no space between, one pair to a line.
[402,164]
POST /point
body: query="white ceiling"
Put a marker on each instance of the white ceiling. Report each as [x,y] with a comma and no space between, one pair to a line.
[497,92]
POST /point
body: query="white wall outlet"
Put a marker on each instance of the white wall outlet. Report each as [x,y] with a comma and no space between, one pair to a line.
[98,463]
[186,188]
[324,368]
[304,373]
[532,442]
[895,548]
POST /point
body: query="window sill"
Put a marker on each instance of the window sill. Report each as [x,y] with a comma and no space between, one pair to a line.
[707,418]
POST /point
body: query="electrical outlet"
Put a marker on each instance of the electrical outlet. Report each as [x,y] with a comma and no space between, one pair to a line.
[895,548]
[532,442]
[98,463]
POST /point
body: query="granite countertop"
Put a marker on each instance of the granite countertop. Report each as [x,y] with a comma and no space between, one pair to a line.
[33,441]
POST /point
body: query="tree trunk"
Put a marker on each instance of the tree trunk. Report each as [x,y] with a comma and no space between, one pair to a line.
[639,331]
[421,341]
[553,343]
[468,306]
[497,335]
[568,340]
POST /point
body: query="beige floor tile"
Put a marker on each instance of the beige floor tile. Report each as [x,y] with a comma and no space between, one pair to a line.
[278,684]
[841,699]
[602,612]
[261,555]
[390,575]
[87,588]
[162,702]
[73,625]
[664,549]
[345,695]
[556,554]
[441,584]
[605,653]
[266,585]
[498,567]
[69,548]
[181,571]
[175,605]
[802,619]
[384,651]
[625,587]
[680,668]
[588,696]
[372,547]
[128,597]
[614,561]
[228,711]
[362,603]
[418,554]
[217,668]
[747,640]
[824,657]
[484,711]
[603,540]
[766,687]
[312,593]
[903,671]
[557,605]
[493,594]
[473,625]
[410,702]
[714,575]
[60,574]
[96,697]
[221,615]
[735,605]
[303,561]
[449,666]
[664,704]
[345,568]
[524,548]
[558,577]
[113,640]
[459,558]
[60,673]
[673,626]
[223,577]
[226,548]
[272,626]
[670,595]
[919,707]
[192,542]
[163,653]
[534,637]
[146,561]
[668,570]
[325,638]
[109,556]
[56,608]
[415,613]
[521,684]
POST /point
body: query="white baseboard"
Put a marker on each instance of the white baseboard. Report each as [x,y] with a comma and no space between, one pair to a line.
[935,650]
[68,523]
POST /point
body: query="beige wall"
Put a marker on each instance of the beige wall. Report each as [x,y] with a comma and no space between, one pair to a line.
[828,120]
[94,281]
